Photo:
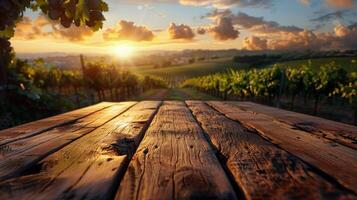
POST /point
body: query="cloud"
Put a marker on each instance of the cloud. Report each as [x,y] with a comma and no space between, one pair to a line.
[340,3]
[330,16]
[224,30]
[336,16]
[333,3]
[305,2]
[213,3]
[126,30]
[346,37]
[353,26]
[254,24]
[228,3]
[255,43]
[342,37]
[201,31]
[216,14]
[300,41]
[226,24]
[73,33]
[42,27]
[29,30]
[181,31]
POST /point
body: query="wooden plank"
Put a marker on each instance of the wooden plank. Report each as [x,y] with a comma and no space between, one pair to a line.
[20,155]
[89,167]
[262,170]
[339,132]
[174,161]
[33,128]
[336,160]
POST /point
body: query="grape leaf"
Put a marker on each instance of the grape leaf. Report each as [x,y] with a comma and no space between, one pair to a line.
[8,32]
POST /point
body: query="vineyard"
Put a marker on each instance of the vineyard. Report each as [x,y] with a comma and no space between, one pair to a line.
[270,85]
[35,90]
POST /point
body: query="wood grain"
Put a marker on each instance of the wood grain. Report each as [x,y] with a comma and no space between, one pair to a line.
[262,170]
[89,167]
[339,132]
[335,160]
[174,161]
[33,128]
[20,155]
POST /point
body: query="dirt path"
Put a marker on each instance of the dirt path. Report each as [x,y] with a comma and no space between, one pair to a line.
[158,94]
[179,94]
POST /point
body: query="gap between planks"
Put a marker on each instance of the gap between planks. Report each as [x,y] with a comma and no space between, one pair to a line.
[40,126]
[86,185]
[344,134]
[337,161]
[262,170]
[20,155]
[175,161]
[88,167]
[222,158]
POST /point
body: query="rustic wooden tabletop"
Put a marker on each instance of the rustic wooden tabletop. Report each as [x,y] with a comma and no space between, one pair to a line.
[179,150]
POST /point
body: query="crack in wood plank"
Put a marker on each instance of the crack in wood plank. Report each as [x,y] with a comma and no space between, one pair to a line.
[40,126]
[335,131]
[263,170]
[21,155]
[86,168]
[174,161]
[337,161]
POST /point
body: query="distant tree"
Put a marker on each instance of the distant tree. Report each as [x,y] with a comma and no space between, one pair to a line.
[191,61]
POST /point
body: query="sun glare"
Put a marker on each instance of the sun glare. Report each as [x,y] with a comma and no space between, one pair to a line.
[124,51]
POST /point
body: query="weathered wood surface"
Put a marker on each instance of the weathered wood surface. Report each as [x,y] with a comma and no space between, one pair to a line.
[33,128]
[337,161]
[175,161]
[262,170]
[88,167]
[197,150]
[339,132]
[20,155]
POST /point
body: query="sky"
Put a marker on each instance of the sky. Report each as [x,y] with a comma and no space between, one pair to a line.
[146,25]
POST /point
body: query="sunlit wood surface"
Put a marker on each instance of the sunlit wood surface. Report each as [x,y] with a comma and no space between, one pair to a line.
[179,150]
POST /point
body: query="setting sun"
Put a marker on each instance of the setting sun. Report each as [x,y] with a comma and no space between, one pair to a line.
[124,50]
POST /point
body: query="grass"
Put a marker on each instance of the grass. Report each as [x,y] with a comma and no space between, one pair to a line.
[349,63]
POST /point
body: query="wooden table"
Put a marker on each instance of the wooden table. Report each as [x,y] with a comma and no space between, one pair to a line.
[179,150]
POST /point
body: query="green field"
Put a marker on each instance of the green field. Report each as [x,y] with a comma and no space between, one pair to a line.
[349,63]
[176,74]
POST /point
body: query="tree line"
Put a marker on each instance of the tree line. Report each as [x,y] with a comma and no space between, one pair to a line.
[275,57]
[270,84]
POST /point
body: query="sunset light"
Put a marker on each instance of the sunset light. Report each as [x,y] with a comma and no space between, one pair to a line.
[124,50]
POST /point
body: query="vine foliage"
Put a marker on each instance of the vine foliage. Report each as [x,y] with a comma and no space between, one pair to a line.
[67,12]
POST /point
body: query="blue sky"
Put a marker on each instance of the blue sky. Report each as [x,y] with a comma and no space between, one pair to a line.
[286,12]
[156,16]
